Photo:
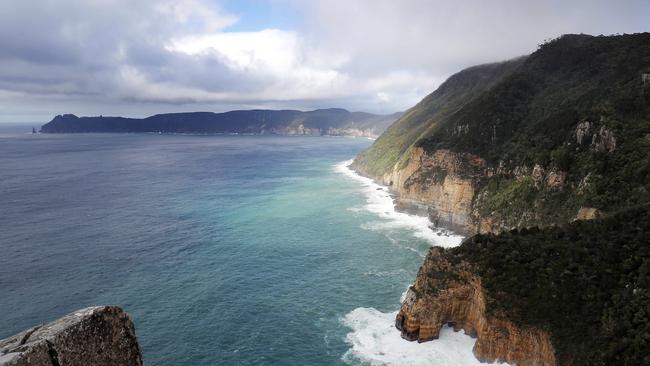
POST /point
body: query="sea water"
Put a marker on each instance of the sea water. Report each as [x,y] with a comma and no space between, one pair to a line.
[225,250]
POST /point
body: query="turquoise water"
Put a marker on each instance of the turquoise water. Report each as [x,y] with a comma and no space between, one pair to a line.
[225,250]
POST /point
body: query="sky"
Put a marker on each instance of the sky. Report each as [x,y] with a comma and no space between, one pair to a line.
[141,57]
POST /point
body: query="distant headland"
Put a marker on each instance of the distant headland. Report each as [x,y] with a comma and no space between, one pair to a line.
[332,121]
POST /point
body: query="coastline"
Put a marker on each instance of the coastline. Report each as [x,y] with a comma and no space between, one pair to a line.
[383,203]
[409,206]
[373,337]
[371,137]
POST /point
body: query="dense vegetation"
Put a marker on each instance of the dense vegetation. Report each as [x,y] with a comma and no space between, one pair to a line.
[253,121]
[587,283]
[531,117]
[565,128]
[526,112]
[418,122]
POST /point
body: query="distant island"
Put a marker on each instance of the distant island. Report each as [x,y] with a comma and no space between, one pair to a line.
[332,122]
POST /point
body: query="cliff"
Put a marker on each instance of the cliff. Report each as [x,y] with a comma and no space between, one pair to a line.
[539,140]
[575,294]
[557,140]
[444,182]
[333,121]
[447,290]
[99,336]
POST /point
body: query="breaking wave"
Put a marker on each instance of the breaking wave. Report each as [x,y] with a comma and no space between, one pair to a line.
[374,339]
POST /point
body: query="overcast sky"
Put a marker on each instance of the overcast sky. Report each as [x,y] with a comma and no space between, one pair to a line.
[141,57]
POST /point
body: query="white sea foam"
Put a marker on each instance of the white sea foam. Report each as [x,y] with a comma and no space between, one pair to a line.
[403,295]
[375,341]
[380,202]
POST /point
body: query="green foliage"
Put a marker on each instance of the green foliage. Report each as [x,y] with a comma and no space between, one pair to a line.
[561,158]
[394,145]
[531,117]
[502,193]
[525,112]
[586,283]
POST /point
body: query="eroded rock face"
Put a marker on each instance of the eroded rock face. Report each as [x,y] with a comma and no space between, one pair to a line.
[444,181]
[446,291]
[448,187]
[99,336]
[604,140]
[588,213]
[582,131]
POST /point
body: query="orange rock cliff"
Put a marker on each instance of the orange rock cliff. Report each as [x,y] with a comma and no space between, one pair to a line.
[446,291]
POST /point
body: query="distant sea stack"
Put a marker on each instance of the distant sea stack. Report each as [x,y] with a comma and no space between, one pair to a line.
[332,122]
[563,133]
[98,336]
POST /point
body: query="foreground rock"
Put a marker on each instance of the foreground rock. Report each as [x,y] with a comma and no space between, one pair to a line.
[101,335]
[447,291]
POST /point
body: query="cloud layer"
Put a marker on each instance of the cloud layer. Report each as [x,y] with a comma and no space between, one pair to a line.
[152,56]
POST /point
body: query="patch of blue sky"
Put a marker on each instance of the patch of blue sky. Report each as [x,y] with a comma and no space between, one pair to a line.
[256,15]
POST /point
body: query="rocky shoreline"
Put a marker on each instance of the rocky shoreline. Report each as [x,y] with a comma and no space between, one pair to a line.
[448,291]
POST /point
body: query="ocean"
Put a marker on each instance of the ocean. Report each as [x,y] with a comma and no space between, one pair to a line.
[225,250]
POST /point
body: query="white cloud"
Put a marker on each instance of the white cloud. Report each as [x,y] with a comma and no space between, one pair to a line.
[196,14]
[277,55]
[150,56]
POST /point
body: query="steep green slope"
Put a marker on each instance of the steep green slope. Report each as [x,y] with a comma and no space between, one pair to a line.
[418,122]
[533,117]
[567,128]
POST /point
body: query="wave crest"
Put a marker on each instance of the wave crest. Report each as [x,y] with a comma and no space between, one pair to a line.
[380,202]
[375,341]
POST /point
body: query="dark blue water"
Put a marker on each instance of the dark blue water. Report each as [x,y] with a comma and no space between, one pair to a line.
[223,249]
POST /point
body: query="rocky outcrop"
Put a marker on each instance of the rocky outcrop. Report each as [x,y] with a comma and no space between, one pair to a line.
[588,213]
[447,291]
[99,336]
[602,139]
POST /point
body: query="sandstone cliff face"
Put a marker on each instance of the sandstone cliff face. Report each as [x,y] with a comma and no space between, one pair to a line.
[99,336]
[588,213]
[447,291]
[449,187]
[443,181]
